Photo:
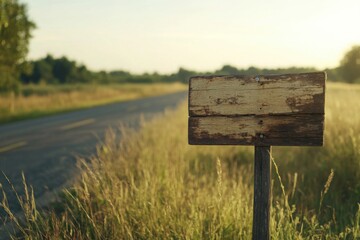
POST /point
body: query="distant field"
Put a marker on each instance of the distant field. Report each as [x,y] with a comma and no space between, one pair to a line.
[36,101]
[153,185]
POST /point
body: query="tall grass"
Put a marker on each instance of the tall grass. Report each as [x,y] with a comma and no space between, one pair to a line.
[153,185]
[37,100]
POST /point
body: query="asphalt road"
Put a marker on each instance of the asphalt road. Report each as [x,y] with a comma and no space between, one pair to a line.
[45,149]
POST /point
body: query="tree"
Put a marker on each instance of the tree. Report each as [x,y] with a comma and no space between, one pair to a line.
[183,75]
[42,72]
[228,70]
[350,65]
[64,70]
[15,33]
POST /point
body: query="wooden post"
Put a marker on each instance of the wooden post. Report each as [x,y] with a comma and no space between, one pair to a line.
[262,193]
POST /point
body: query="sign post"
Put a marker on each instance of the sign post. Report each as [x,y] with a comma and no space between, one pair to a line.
[262,193]
[262,111]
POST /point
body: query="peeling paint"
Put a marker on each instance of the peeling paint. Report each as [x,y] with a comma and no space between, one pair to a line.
[283,110]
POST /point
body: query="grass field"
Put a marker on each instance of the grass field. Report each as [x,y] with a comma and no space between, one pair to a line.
[35,101]
[153,185]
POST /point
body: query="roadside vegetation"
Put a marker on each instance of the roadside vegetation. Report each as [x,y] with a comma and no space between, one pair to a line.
[35,101]
[153,185]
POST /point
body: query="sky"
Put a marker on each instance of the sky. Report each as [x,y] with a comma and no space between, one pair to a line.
[203,35]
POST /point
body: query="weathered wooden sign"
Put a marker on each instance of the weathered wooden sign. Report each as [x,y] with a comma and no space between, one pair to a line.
[282,110]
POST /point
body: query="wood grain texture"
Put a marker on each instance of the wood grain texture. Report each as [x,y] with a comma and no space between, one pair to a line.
[259,95]
[282,110]
[285,130]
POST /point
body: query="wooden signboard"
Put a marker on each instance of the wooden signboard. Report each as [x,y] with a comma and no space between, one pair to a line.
[282,110]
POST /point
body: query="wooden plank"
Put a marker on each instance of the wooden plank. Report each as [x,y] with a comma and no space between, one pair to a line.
[259,95]
[262,194]
[279,130]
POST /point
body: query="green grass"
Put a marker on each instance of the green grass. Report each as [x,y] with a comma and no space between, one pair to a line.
[153,185]
[36,100]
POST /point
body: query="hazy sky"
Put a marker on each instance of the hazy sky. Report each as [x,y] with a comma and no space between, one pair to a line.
[163,35]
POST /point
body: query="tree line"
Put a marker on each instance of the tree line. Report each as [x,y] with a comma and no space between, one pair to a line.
[50,70]
[15,34]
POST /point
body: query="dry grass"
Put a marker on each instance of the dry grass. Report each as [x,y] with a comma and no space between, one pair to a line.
[35,101]
[153,185]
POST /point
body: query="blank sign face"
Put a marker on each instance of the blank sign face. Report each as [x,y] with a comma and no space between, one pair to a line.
[282,110]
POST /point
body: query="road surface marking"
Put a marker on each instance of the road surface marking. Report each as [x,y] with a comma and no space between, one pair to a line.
[78,124]
[12,146]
